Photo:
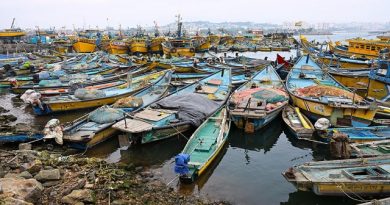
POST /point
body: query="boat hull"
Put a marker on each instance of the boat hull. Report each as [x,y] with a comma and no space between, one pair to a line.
[336,115]
[84,47]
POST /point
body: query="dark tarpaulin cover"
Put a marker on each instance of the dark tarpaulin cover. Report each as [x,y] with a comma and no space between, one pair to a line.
[191,107]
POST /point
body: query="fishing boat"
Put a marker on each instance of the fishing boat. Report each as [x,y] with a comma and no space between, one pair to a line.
[12,34]
[356,177]
[361,48]
[84,98]
[283,66]
[84,45]
[379,83]
[352,79]
[319,95]
[95,127]
[116,47]
[155,45]
[138,46]
[259,101]
[62,86]
[203,146]
[297,123]
[359,134]
[179,46]
[178,112]
[340,62]
[370,149]
[201,44]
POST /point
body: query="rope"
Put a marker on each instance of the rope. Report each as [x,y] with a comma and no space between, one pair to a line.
[178,132]
[359,200]
[173,179]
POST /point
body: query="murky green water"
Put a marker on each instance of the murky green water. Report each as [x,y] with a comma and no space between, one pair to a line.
[247,171]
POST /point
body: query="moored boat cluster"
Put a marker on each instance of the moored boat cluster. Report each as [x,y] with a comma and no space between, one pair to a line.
[324,97]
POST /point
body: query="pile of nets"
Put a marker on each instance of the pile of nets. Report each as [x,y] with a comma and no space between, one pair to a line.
[325,90]
[270,95]
[129,102]
[87,94]
[106,114]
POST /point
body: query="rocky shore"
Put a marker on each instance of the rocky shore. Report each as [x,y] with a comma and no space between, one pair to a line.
[48,177]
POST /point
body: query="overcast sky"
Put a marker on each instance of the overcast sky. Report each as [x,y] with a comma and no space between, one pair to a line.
[58,13]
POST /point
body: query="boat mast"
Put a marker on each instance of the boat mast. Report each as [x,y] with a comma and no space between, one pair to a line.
[13,23]
[179,26]
[156,32]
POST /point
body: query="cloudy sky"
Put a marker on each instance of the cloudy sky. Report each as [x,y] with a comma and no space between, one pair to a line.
[129,13]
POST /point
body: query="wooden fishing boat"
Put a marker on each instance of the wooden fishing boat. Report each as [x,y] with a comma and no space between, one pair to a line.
[362,48]
[116,47]
[178,112]
[155,45]
[62,87]
[179,65]
[259,101]
[352,79]
[319,95]
[297,123]
[90,130]
[93,98]
[379,83]
[203,146]
[178,48]
[340,62]
[283,66]
[84,45]
[138,46]
[359,134]
[362,177]
[370,149]
[201,44]
[214,39]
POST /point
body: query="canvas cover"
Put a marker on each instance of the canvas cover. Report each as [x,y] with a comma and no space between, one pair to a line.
[190,107]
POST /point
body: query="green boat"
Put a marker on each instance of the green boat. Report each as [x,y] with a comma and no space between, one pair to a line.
[370,149]
[203,146]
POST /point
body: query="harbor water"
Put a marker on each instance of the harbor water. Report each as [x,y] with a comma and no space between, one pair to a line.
[247,171]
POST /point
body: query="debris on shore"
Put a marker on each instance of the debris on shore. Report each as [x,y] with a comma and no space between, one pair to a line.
[42,177]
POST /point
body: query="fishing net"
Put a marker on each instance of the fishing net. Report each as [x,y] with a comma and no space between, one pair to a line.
[129,102]
[325,90]
[106,114]
[86,94]
[270,95]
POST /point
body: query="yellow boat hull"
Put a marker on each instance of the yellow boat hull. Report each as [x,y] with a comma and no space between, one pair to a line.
[155,45]
[115,49]
[379,91]
[348,65]
[138,47]
[84,47]
[353,82]
[204,47]
[178,69]
[360,188]
[314,110]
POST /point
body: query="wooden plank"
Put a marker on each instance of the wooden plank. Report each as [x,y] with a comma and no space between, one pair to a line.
[132,126]
[152,115]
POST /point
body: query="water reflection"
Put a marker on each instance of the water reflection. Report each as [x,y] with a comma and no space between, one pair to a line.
[309,198]
[319,151]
